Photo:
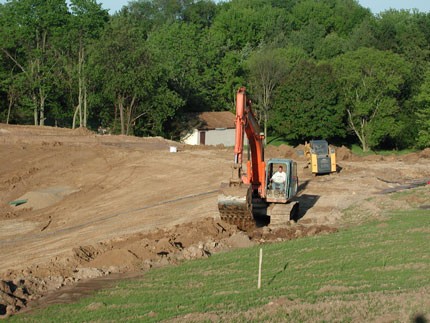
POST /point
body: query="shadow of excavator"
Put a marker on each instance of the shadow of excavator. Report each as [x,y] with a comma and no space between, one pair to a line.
[307,202]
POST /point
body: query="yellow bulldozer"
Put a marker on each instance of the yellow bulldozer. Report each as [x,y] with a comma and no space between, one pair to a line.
[320,156]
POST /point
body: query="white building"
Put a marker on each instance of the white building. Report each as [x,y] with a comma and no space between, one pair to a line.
[214,128]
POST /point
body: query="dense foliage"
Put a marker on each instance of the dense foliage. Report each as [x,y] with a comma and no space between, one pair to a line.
[314,69]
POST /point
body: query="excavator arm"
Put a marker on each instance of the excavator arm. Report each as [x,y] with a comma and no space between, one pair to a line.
[235,198]
[246,124]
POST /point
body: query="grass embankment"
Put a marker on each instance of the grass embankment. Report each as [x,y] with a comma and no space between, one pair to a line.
[357,150]
[379,270]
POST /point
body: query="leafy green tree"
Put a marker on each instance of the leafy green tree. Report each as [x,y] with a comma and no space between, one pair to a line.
[9,85]
[331,46]
[318,12]
[371,81]
[362,35]
[87,21]
[267,69]
[423,112]
[347,15]
[240,27]
[307,104]
[181,50]
[133,80]
[324,26]
[242,23]
[400,32]
[404,33]
[200,13]
[308,37]
[30,36]
[154,13]
[118,61]
[339,16]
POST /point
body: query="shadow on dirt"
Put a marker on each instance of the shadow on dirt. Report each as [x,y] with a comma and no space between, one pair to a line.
[307,201]
[420,319]
[302,186]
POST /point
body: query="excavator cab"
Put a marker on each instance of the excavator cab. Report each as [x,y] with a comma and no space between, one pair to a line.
[281,193]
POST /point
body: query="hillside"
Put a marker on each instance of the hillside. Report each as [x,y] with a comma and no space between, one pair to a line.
[98,205]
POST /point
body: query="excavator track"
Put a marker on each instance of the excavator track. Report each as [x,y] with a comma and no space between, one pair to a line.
[281,213]
[235,206]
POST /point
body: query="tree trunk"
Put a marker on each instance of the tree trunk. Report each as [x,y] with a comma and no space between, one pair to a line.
[80,85]
[121,114]
[115,106]
[130,115]
[363,137]
[360,133]
[35,114]
[363,143]
[74,117]
[85,106]
[265,127]
[9,109]
[42,107]
[79,106]
[83,84]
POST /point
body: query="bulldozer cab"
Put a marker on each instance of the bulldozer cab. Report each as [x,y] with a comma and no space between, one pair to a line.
[320,147]
[281,192]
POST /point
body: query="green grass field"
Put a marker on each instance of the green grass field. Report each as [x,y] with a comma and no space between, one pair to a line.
[356,149]
[371,272]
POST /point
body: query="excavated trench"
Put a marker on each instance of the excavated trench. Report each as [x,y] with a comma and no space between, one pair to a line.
[94,267]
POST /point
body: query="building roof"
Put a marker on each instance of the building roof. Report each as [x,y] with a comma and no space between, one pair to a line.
[216,120]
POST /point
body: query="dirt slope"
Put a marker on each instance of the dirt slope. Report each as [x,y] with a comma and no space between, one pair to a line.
[96,205]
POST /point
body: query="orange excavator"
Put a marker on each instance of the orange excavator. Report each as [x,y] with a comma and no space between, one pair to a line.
[252,194]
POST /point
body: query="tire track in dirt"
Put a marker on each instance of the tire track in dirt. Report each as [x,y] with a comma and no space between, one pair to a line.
[5,243]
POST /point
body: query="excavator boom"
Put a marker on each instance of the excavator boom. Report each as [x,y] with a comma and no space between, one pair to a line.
[235,198]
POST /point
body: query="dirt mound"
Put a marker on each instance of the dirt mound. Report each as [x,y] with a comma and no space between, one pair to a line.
[83,131]
[374,158]
[415,156]
[300,147]
[3,131]
[282,151]
[43,198]
[343,153]
[425,153]
[13,297]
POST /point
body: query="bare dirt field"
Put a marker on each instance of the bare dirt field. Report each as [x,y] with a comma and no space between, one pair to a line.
[76,206]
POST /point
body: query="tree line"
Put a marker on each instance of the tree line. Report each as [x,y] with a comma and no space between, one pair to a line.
[314,69]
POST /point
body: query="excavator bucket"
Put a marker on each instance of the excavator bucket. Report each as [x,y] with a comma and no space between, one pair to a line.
[235,205]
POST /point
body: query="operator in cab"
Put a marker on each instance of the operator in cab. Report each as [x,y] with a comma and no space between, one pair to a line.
[278,179]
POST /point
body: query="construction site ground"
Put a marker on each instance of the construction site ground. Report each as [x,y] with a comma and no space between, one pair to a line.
[79,207]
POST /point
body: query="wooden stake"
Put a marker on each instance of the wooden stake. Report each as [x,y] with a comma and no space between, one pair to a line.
[260,263]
